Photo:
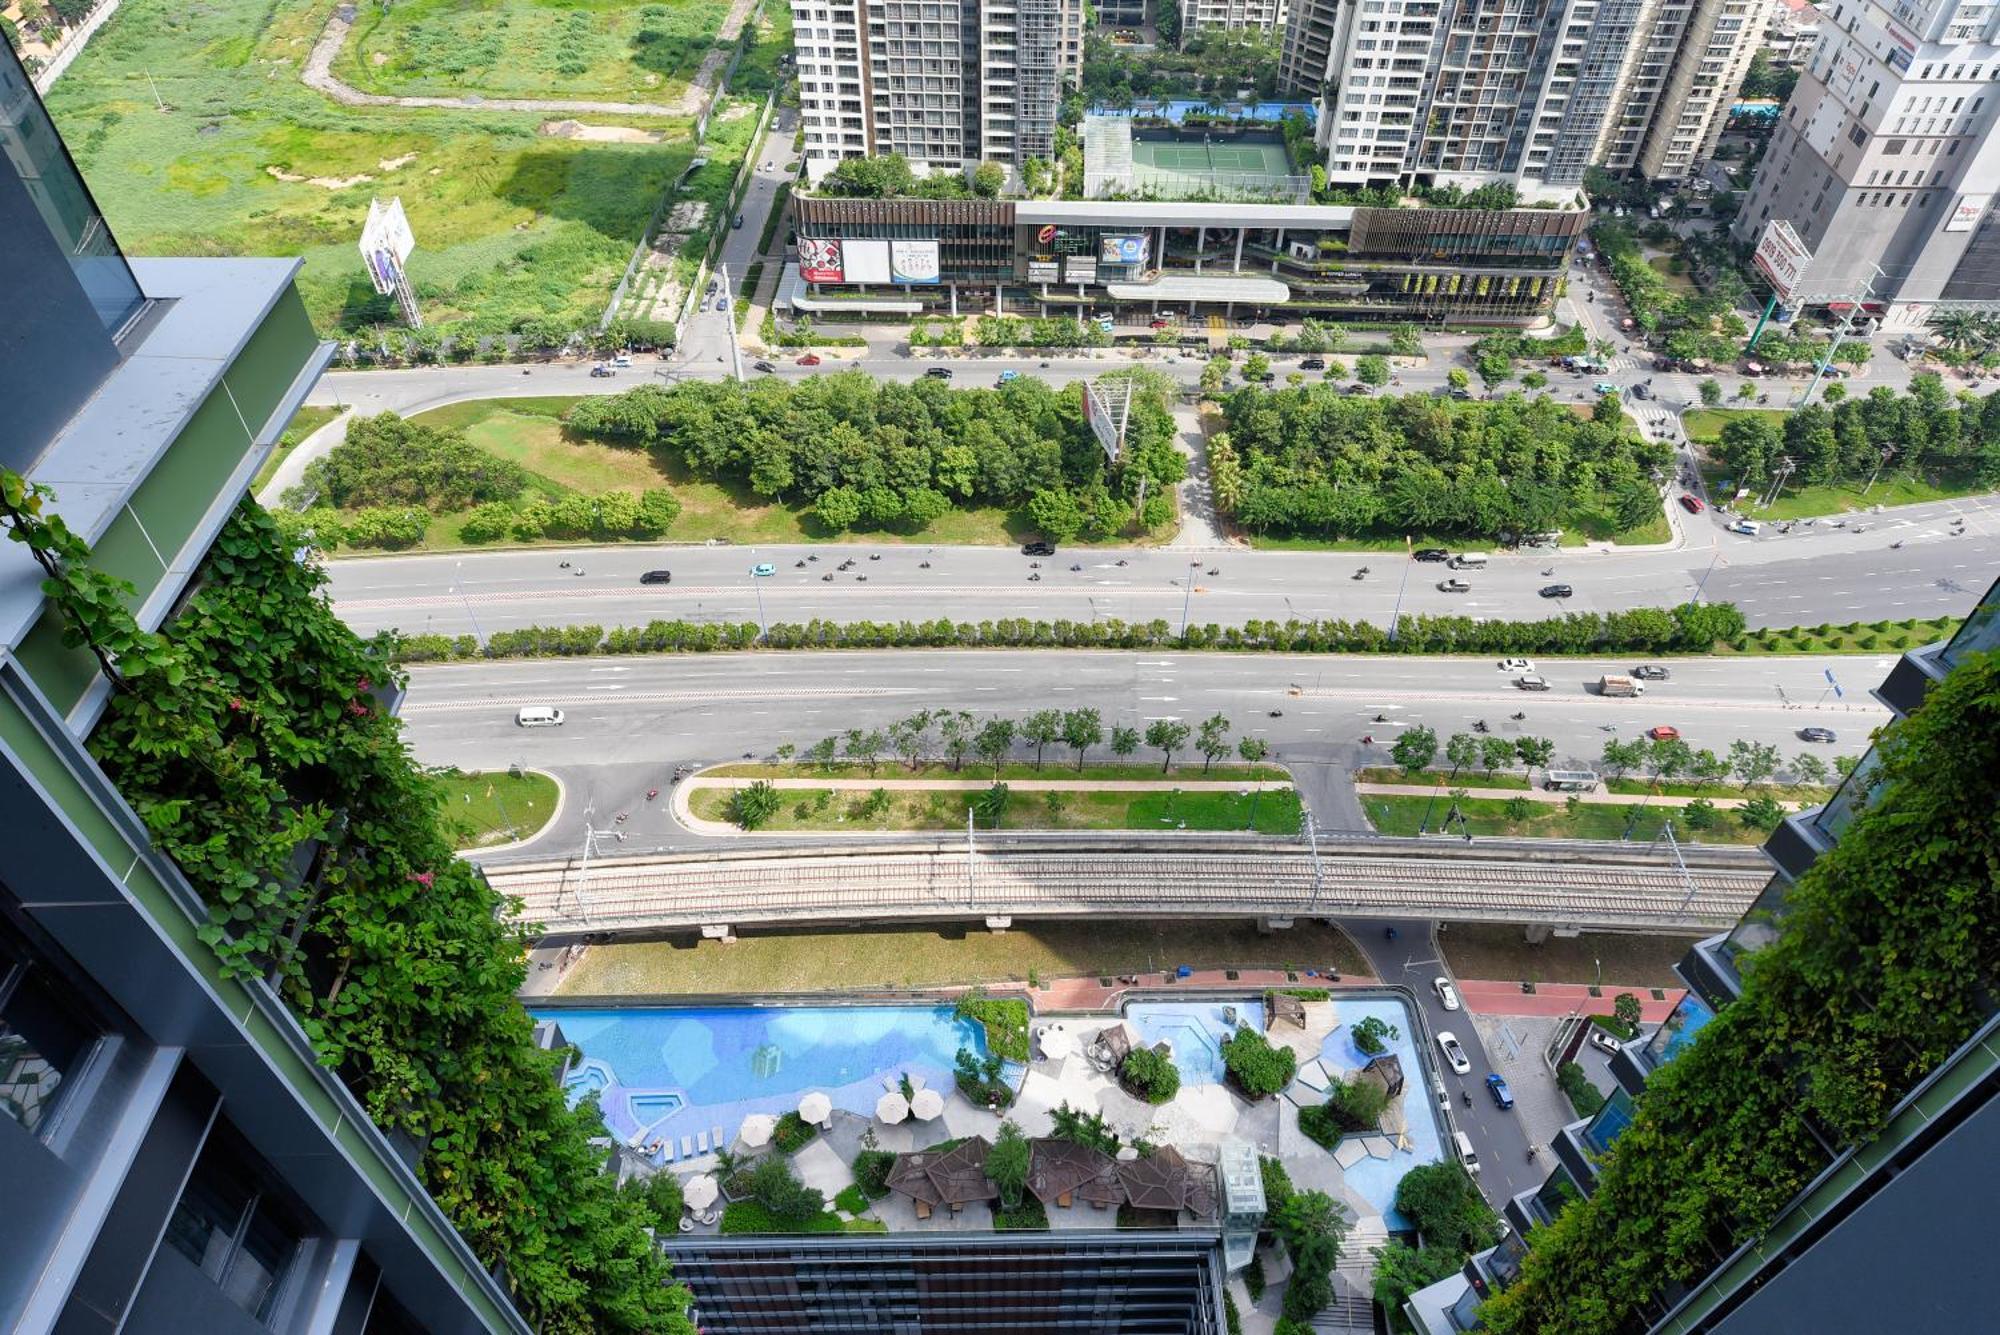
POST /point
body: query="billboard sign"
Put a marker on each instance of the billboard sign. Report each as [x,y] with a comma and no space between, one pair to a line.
[1047,236]
[864,261]
[1079,269]
[913,261]
[820,260]
[386,242]
[1127,248]
[1966,213]
[1044,271]
[1782,258]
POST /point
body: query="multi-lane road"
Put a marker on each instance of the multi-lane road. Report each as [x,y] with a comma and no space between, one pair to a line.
[629,722]
[1810,576]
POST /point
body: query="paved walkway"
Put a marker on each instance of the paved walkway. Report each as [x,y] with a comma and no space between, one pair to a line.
[1600,798]
[318,75]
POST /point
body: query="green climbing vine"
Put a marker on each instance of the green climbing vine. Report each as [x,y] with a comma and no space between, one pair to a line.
[1888,960]
[249,737]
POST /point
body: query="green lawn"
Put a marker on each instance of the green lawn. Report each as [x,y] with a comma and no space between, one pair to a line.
[304,422]
[1058,764]
[958,954]
[491,807]
[510,224]
[1276,812]
[1674,270]
[1855,637]
[1833,498]
[1548,820]
[1467,778]
[1704,425]
[605,50]
[529,432]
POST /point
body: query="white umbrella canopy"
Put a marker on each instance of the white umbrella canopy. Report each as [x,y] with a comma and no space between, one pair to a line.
[700,1192]
[892,1107]
[757,1130]
[927,1104]
[815,1108]
[1057,1042]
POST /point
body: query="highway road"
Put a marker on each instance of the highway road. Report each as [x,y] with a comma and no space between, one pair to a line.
[1814,575]
[629,722]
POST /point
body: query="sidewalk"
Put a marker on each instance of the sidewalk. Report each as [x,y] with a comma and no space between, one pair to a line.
[1544,795]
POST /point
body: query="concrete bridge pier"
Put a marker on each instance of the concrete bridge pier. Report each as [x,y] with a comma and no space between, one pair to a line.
[1269,925]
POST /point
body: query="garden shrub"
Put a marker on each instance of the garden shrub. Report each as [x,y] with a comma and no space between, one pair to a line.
[871,1172]
[1583,1096]
[388,461]
[1027,1217]
[1259,1069]
[1150,1075]
[852,1199]
[1005,1020]
[793,1133]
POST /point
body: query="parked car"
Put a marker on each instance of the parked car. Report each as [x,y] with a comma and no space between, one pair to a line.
[1447,994]
[1532,682]
[1453,586]
[1454,1055]
[1431,554]
[1817,735]
[1691,503]
[1456,393]
[1496,1085]
[1038,549]
[939,373]
[1557,591]
[1516,665]
[810,359]
[1651,672]
[763,366]
[657,577]
[763,568]
[1008,377]
[1312,364]
[737,221]
[1663,732]
[1600,1039]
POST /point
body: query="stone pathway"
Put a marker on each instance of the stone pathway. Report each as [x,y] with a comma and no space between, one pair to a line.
[318,75]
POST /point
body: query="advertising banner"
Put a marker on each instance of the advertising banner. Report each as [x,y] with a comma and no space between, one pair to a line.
[386,242]
[865,261]
[819,261]
[1044,271]
[1080,269]
[1122,249]
[1783,259]
[1966,213]
[913,261]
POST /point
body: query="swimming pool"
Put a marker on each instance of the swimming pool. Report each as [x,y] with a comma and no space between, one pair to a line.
[1195,1031]
[684,1070]
[1374,1179]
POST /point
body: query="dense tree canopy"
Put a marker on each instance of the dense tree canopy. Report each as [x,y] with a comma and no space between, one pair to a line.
[1312,460]
[1927,431]
[880,453]
[1884,965]
[387,460]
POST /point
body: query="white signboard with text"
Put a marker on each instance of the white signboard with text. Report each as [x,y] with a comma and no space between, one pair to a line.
[1783,259]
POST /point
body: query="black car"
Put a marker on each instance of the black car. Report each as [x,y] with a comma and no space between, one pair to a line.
[1038,549]
[1641,392]
[657,577]
[1817,735]
[1650,672]
[765,367]
[939,373]
[1355,389]
[1432,554]
[1557,591]
[1312,364]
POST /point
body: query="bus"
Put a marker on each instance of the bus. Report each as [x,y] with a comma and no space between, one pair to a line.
[1570,780]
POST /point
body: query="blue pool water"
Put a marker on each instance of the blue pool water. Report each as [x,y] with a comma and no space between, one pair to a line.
[683,1070]
[1375,1179]
[1195,1030]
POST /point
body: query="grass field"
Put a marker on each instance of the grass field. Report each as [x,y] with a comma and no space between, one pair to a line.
[1549,820]
[1854,637]
[304,422]
[1102,947]
[602,50]
[529,432]
[1467,778]
[1058,766]
[246,160]
[490,808]
[1487,950]
[1276,812]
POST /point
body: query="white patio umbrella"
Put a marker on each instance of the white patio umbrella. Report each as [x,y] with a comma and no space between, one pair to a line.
[815,1108]
[892,1107]
[927,1104]
[1057,1042]
[757,1130]
[700,1192]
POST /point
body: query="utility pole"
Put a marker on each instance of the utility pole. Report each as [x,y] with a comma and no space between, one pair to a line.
[1888,452]
[1701,585]
[1318,872]
[1187,598]
[1785,468]
[458,584]
[729,321]
[1409,558]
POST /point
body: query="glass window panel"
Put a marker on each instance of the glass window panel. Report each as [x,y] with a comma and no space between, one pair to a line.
[44,1038]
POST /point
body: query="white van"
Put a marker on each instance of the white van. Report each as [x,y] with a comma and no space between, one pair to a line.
[1468,561]
[1465,1154]
[538,716]
[1749,528]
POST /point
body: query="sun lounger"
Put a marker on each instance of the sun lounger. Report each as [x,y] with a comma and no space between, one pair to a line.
[667,1155]
[701,1143]
[687,1147]
[715,1138]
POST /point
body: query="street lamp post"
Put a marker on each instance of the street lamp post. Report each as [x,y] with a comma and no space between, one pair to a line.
[458,585]
[1888,452]
[1702,583]
[757,583]
[1409,560]
[1187,598]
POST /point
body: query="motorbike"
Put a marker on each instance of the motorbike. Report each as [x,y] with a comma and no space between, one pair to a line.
[1213,571]
[1467,1096]
[577,570]
[1531,1154]
[798,565]
[1124,562]
[923,565]
[813,557]
[1389,932]
[874,556]
[1607,727]
[652,793]
[1045,366]
[861,579]
[1277,713]
[1361,573]
[827,578]
[1519,715]
[1894,545]
[1381,718]
[1480,726]
[1368,739]
[1076,567]
[562,565]
[1550,571]
[1034,579]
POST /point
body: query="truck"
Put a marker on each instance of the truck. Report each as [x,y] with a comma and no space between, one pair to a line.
[1620,687]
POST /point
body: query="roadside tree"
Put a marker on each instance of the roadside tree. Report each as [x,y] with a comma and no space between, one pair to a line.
[1081,730]
[1166,736]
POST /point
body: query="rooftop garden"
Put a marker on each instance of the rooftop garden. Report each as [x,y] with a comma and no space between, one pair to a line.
[1885,963]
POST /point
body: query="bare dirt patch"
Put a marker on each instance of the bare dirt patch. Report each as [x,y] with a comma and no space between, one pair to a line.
[324,182]
[393,164]
[600,134]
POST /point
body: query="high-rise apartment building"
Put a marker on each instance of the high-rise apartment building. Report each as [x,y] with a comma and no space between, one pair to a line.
[1472,92]
[1885,161]
[174,1155]
[1897,1201]
[1231,15]
[941,82]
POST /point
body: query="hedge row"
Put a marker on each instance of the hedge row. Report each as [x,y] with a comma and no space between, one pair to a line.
[1642,630]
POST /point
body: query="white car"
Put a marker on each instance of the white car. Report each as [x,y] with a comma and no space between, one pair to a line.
[1600,1039]
[1454,1055]
[1447,994]
[1516,665]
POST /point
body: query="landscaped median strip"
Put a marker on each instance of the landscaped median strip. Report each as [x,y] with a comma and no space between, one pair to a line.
[1599,797]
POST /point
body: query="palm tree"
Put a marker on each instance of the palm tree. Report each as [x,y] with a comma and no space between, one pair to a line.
[1962,330]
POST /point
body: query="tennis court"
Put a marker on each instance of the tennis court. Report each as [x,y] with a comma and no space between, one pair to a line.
[1235,160]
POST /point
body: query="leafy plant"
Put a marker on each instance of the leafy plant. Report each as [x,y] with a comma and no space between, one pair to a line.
[852,1199]
[1258,1068]
[1583,1096]
[751,807]
[871,1173]
[793,1133]
[1372,1034]
[1150,1075]
[1007,1163]
[1084,1128]
[1626,1010]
